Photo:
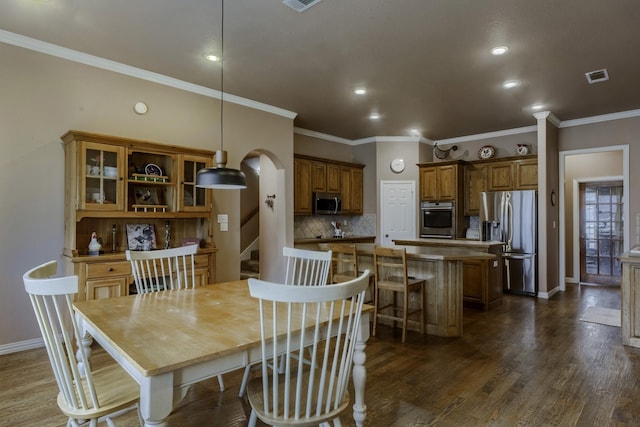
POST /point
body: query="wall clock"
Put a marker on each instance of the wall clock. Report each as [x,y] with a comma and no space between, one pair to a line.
[140,108]
[397,165]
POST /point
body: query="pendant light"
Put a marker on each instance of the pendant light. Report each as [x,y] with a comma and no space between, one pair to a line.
[221,177]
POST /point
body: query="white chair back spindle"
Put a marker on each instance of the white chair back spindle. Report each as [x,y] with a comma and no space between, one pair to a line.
[306,268]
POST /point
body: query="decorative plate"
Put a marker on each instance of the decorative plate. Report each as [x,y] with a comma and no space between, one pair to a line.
[152,169]
[522,150]
[487,152]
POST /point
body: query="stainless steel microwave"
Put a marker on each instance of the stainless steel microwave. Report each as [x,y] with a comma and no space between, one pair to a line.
[327,203]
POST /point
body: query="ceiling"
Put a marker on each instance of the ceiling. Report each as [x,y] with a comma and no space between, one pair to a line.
[425,63]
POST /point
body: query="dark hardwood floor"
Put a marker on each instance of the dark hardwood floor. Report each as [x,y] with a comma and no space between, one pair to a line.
[526,362]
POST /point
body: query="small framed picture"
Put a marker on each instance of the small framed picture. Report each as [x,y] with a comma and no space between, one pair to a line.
[141,237]
[146,196]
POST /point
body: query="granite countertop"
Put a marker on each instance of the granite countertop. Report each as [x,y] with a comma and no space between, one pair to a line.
[469,243]
[349,239]
[434,253]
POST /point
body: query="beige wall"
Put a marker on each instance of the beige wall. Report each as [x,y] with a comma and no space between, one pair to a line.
[317,147]
[612,133]
[249,200]
[43,97]
[584,167]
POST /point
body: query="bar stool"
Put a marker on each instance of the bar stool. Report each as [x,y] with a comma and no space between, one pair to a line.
[391,275]
[345,266]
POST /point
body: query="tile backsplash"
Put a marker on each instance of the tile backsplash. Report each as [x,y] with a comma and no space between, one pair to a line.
[305,227]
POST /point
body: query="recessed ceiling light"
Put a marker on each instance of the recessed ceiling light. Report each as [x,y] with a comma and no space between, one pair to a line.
[211,57]
[537,106]
[510,83]
[360,91]
[374,116]
[499,50]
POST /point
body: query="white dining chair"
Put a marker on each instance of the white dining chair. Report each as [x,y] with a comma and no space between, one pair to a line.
[306,267]
[325,319]
[165,269]
[303,268]
[85,394]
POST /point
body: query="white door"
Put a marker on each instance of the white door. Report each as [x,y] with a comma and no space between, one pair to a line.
[398,211]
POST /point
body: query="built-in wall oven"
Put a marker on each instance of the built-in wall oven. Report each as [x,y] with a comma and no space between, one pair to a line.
[438,220]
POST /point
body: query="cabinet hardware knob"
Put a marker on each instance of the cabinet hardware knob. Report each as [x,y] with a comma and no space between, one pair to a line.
[110,269]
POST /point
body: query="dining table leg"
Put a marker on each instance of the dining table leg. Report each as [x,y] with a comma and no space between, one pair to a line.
[360,372]
[156,399]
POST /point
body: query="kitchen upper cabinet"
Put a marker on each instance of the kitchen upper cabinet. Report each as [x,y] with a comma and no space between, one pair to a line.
[333,178]
[303,196]
[513,174]
[313,174]
[500,176]
[318,176]
[526,172]
[475,182]
[351,189]
[506,174]
[440,183]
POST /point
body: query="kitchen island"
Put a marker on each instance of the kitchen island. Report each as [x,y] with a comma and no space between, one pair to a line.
[482,278]
[442,268]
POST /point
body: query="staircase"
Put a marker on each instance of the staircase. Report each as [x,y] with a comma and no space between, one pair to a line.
[250,267]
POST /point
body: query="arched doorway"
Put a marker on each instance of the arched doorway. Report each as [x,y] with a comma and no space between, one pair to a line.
[263,213]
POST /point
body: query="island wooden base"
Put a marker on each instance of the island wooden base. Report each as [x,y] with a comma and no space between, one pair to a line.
[482,284]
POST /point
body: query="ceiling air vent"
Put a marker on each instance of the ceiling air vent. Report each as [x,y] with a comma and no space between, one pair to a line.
[300,5]
[597,76]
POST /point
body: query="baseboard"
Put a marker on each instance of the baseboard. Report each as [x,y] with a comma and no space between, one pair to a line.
[548,295]
[21,346]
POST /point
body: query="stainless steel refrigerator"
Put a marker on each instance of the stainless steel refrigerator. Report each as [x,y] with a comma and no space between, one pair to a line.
[511,217]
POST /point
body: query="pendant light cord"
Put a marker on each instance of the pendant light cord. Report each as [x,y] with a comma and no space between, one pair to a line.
[221,75]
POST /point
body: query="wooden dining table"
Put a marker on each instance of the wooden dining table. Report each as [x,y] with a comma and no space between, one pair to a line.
[171,339]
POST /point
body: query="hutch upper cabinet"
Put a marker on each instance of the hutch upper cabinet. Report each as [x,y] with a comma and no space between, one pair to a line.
[112,183]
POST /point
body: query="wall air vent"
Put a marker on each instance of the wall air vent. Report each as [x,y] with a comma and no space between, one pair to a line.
[597,76]
[300,5]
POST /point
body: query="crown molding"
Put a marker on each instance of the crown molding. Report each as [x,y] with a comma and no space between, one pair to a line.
[469,138]
[320,135]
[548,115]
[116,67]
[601,118]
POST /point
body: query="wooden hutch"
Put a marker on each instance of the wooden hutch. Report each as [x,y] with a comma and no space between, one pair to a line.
[112,183]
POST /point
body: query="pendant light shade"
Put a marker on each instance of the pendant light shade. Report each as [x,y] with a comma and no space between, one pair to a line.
[221,177]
